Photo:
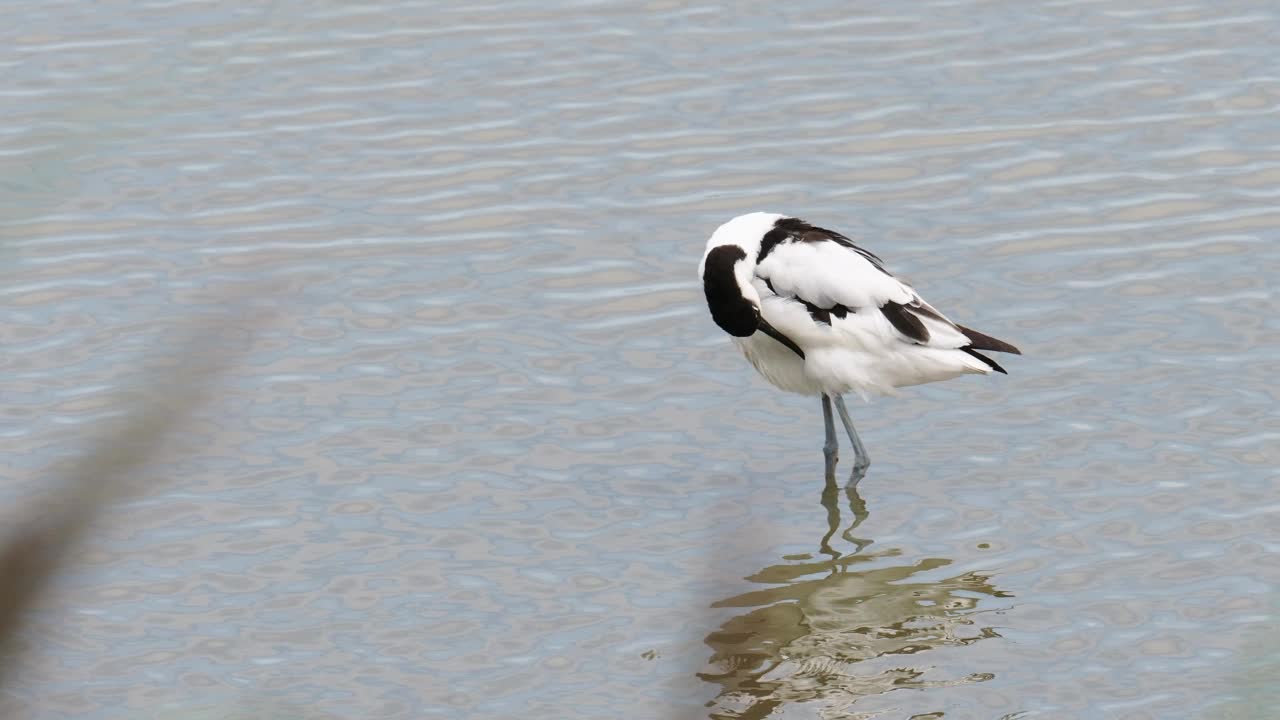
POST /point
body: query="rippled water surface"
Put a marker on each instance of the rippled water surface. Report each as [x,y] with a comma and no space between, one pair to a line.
[484,454]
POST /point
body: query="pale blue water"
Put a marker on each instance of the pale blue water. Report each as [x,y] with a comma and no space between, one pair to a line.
[487,456]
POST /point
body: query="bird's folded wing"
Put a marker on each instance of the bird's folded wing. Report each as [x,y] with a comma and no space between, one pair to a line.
[825,275]
[828,274]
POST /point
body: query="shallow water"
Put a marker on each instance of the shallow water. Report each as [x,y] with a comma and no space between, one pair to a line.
[485,454]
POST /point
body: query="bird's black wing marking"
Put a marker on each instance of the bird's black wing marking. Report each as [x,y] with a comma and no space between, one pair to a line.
[771,240]
[904,320]
[824,315]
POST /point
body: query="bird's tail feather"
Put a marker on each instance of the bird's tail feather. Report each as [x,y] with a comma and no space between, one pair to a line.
[981,341]
[990,363]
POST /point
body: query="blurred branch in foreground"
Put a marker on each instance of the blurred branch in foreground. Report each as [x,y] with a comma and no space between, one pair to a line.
[35,548]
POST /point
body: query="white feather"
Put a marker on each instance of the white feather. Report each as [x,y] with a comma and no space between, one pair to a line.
[745,231]
[826,274]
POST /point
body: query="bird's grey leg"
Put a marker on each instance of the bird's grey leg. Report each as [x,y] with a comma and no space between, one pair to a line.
[861,461]
[830,496]
[831,450]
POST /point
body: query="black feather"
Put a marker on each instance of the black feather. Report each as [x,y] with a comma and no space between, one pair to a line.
[980,341]
[905,322]
[990,363]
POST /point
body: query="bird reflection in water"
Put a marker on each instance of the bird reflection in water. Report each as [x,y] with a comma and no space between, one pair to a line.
[837,629]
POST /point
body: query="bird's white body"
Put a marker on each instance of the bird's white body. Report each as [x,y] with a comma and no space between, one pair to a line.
[838,305]
[837,369]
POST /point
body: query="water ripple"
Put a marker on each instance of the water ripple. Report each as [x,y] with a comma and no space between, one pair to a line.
[490,457]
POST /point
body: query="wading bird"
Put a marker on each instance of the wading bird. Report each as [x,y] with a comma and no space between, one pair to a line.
[817,315]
